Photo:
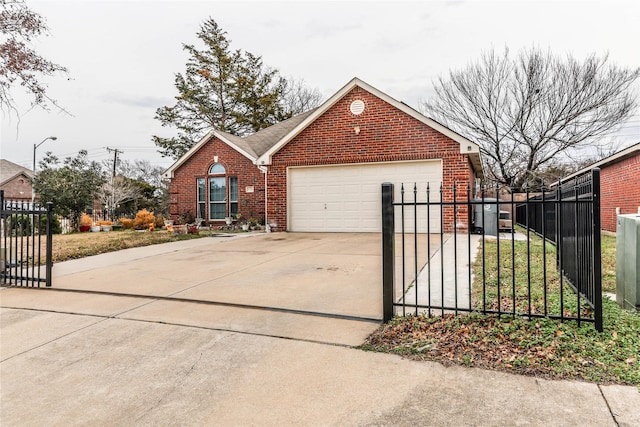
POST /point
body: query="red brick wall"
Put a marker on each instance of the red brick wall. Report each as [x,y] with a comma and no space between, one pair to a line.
[19,188]
[620,188]
[386,134]
[183,188]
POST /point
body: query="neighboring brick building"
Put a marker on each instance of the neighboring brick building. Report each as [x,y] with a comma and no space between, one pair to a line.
[619,185]
[323,170]
[15,180]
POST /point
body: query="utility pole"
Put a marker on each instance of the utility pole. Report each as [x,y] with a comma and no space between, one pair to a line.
[113,190]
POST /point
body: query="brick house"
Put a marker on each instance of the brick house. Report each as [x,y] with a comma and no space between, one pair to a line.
[15,180]
[322,170]
[619,185]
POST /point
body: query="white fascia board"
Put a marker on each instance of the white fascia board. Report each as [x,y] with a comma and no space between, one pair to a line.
[466,146]
[170,171]
[186,156]
[235,147]
[14,177]
[619,155]
[265,159]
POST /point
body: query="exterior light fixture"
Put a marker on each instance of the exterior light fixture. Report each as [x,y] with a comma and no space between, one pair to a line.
[356,129]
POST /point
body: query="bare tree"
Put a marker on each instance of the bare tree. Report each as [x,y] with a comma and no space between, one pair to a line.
[20,64]
[527,111]
[118,190]
[139,170]
[298,98]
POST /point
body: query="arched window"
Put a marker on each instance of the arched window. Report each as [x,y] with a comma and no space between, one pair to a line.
[222,194]
[217,169]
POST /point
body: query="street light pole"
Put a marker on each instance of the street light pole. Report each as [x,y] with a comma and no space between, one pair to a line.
[35,147]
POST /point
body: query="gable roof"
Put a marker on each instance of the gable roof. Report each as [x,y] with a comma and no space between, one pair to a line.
[617,157]
[261,146]
[466,146]
[252,146]
[9,170]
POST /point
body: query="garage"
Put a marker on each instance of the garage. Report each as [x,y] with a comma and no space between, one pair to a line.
[322,170]
[347,198]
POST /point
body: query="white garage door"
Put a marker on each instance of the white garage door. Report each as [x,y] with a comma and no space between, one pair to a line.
[347,198]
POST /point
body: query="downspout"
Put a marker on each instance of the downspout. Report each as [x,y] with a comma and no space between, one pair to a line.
[265,170]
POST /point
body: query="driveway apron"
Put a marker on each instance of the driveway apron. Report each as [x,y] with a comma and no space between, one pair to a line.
[323,287]
[324,273]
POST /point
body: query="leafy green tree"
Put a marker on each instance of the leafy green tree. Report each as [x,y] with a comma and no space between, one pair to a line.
[72,186]
[225,89]
[259,90]
[527,112]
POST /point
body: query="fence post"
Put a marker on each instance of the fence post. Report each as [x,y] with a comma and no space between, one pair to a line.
[597,250]
[3,238]
[49,255]
[388,251]
[558,225]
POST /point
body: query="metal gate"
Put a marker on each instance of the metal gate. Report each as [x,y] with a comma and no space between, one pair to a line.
[26,244]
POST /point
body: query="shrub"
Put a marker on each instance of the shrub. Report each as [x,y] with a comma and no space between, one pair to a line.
[104,222]
[186,218]
[143,220]
[85,220]
[20,225]
[159,221]
[56,228]
[127,223]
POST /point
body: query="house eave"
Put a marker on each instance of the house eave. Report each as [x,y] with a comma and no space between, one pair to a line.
[169,173]
[617,157]
[6,181]
[466,146]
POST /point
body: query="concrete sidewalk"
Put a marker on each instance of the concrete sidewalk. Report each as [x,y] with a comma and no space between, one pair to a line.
[114,369]
[444,281]
[145,357]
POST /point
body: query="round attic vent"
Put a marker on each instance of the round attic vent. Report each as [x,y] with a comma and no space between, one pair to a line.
[357,107]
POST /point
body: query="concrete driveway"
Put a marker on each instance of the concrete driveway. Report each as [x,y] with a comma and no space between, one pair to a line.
[314,286]
[323,273]
[136,351]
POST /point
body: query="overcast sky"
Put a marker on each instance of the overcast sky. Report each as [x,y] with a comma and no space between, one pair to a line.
[122,55]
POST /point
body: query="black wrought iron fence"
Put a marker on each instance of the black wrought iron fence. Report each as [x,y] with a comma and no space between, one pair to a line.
[446,251]
[25,243]
[569,216]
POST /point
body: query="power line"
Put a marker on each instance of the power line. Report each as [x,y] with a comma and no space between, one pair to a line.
[115,157]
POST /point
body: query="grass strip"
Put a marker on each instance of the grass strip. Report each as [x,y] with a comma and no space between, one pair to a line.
[540,347]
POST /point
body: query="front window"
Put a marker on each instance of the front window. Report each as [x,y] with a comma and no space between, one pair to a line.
[217,198]
[233,195]
[217,169]
[201,199]
[222,194]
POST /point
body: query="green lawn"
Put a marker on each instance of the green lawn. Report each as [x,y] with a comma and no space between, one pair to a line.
[540,347]
[608,264]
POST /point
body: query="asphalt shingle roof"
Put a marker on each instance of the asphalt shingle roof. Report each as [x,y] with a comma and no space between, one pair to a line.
[9,169]
[266,138]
